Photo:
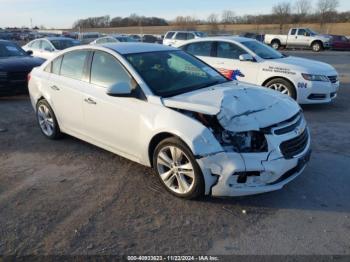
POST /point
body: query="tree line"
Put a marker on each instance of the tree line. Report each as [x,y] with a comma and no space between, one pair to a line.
[302,11]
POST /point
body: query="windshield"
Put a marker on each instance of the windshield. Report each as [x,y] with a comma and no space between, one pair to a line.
[64,43]
[8,49]
[170,73]
[262,50]
[312,32]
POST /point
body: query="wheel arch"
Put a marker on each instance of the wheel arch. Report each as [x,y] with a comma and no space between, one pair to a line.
[317,41]
[284,78]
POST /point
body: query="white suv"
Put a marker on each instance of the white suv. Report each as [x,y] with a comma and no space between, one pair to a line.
[176,38]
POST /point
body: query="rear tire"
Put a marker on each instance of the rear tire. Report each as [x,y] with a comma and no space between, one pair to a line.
[177,169]
[283,86]
[47,120]
[276,44]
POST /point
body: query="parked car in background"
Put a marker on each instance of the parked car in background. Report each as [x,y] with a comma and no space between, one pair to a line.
[259,37]
[299,38]
[15,65]
[247,60]
[113,39]
[137,38]
[87,38]
[48,47]
[150,39]
[176,38]
[159,106]
[340,42]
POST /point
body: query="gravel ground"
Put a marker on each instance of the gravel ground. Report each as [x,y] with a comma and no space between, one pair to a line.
[70,197]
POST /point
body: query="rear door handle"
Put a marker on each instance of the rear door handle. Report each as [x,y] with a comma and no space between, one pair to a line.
[90,101]
[55,88]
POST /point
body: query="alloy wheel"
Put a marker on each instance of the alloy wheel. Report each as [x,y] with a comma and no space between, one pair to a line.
[175,169]
[45,119]
[280,88]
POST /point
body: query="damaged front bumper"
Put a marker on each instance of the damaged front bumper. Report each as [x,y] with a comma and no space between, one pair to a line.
[240,174]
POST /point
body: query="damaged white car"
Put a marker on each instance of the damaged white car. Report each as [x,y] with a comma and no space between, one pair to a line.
[202,133]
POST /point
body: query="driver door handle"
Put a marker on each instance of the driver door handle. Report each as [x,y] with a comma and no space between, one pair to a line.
[90,101]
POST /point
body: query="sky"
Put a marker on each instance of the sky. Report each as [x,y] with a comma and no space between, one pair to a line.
[63,13]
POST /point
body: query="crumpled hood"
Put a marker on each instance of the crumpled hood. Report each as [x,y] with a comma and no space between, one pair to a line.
[239,107]
[304,65]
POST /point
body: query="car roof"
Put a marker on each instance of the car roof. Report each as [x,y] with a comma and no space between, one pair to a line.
[135,47]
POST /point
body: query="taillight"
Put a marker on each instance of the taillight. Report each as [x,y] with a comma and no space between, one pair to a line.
[28,77]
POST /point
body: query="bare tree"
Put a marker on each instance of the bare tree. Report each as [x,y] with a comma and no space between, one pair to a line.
[213,19]
[282,12]
[303,7]
[228,17]
[326,9]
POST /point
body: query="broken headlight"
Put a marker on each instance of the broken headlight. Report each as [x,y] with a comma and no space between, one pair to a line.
[244,142]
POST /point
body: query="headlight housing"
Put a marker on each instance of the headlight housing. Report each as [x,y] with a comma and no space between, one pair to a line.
[244,142]
[310,77]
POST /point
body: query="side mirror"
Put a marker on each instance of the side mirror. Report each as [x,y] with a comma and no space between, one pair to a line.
[307,34]
[29,52]
[48,49]
[246,57]
[122,89]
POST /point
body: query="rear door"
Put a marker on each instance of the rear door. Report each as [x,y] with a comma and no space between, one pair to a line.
[203,50]
[292,37]
[67,84]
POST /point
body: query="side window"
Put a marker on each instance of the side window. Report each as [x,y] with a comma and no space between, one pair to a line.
[56,65]
[301,32]
[199,49]
[190,36]
[106,70]
[293,31]
[45,45]
[73,64]
[228,50]
[169,35]
[181,36]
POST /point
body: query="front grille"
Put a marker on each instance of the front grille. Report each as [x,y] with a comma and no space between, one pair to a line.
[333,79]
[17,76]
[295,146]
[285,126]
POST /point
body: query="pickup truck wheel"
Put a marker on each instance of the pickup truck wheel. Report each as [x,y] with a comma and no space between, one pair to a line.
[178,169]
[276,45]
[283,86]
[317,47]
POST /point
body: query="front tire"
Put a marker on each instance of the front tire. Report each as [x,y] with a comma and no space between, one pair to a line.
[47,120]
[283,86]
[177,169]
[317,46]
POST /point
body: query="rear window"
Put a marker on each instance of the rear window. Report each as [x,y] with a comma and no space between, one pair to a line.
[73,64]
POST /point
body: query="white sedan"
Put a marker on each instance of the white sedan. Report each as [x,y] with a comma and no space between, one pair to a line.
[245,59]
[161,107]
[49,46]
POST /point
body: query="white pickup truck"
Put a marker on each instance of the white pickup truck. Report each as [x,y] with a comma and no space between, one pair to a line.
[299,38]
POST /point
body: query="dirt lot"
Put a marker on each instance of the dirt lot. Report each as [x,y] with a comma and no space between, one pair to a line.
[69,197]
